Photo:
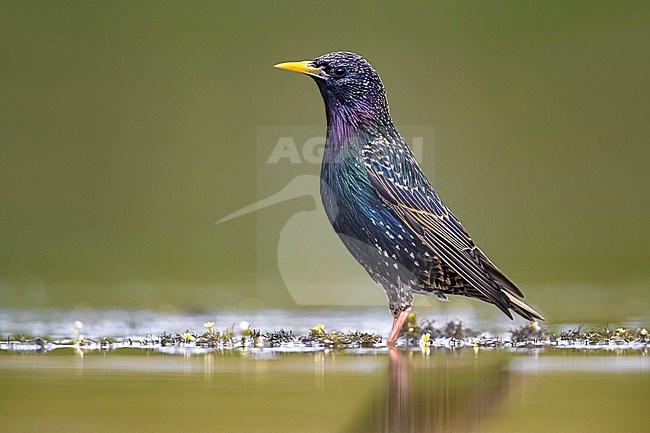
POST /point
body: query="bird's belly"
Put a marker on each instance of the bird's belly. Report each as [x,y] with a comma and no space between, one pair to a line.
[373,237]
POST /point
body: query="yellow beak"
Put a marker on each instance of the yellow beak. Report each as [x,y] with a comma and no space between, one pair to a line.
[304,67]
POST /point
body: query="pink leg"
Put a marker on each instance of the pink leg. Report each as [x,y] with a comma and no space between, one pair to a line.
[398,322]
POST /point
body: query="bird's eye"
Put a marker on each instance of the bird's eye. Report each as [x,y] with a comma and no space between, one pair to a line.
[339,72]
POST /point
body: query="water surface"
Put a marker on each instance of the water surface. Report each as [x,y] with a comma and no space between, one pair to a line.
[362,390]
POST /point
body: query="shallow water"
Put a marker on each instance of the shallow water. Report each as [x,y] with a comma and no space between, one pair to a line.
[314,389]
[369,390]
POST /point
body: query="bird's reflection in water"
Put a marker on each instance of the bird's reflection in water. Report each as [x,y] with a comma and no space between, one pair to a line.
[446,391]
[400,404]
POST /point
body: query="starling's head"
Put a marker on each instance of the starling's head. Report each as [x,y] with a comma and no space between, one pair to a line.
[350,87]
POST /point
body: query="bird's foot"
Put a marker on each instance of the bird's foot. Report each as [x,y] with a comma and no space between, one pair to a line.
[398,322]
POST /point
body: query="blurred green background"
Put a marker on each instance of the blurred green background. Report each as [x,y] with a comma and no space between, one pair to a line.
[128,128]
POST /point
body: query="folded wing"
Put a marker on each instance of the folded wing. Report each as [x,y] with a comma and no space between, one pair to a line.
[411,198]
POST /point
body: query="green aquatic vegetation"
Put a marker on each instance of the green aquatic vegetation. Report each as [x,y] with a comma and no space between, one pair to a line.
[424,333]
[318,336]
[22,338]
[210,338]
[456,330]
[340,339]
[530,332]
[601,337]
[411,328]
[276,338]
[255,335]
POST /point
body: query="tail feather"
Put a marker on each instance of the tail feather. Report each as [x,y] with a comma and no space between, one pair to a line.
[497,275]
[523,309]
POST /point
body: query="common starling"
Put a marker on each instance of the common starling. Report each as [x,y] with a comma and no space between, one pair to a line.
[383,207]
